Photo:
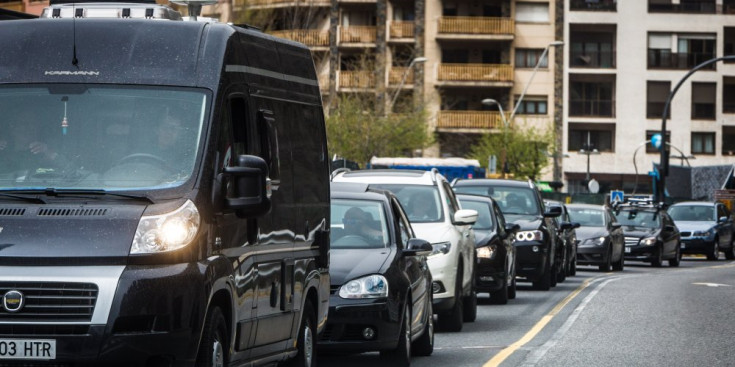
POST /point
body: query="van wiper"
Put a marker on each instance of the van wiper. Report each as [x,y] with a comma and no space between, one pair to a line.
[32,199]
[51,191]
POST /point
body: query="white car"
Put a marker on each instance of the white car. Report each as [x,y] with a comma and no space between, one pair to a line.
[437,217]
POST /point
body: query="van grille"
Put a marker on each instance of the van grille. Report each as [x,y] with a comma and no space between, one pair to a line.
[12,211]
[51,301]
[61,212]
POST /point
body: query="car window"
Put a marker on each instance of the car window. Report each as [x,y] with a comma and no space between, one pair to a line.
[358,224]
[721,211]
[484,217]
[403,226]
[639,218]
[500,220]
[451,199]
[516,200]
[421,202]
[587,217]
[691,213]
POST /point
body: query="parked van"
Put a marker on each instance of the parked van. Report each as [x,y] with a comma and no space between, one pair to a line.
[164,191]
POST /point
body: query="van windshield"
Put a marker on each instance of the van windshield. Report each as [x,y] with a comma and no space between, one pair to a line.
[98,137]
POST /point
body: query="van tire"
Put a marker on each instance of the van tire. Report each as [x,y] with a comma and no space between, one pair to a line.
[306,339]
[214,347]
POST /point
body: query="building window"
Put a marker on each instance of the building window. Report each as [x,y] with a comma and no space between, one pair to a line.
[704,101]
[592,50]
[593,5]
[532,105]
[657,94]
[597,136]
[728,140]
[591,99]
[649,135]
[528,57]
[532,12]
[680,51]
[682,6]
[728,94]
[703,143]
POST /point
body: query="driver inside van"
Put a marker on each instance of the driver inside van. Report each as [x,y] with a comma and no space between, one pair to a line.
[24,148]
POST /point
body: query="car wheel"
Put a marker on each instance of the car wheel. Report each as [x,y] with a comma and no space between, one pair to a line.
[553,274]
[561,274]
[677,257]
[573,267]
[214,346]
[658,260]
[715,251]
[401,356]
[512,289]
[620,264]
[470,307]
[544,284]
[730,253]
[607,266]
[500,297]
[452,320]
[424,345]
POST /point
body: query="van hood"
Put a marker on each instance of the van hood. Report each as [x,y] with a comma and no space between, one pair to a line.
[349,264]
[64,233]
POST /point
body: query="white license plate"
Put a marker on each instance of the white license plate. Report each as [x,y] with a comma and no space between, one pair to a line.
[27,349]
[627,250]
[683,245]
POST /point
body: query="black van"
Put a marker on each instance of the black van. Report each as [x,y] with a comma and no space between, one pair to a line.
[164,191]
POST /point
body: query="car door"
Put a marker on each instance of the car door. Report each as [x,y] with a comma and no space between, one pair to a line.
[669,233]
[467,238]
[724,229]
[616,234]
[507,241]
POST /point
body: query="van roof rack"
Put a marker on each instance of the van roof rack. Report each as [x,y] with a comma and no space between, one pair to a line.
[109,9]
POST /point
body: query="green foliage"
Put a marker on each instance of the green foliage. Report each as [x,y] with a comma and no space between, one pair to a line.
[357,132]
[525,150]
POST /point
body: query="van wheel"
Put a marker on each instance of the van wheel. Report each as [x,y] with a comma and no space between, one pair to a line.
[470,307]
[214,348]
[305,342]
[401,356]
[424,345]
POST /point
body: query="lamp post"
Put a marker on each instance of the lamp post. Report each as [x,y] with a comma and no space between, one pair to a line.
[533,74]
[503,163]
[403,80]
[588,149]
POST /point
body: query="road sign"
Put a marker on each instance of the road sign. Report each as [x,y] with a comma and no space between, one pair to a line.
[593,186]
[617,195]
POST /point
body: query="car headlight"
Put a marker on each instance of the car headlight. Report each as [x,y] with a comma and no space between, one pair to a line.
[166,232]
[530,236]
[650,241]
[371,286]
[487,252]
[706,233]
[441,248]
[594,241]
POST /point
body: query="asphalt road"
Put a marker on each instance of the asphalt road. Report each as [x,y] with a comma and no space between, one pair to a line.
[643,316]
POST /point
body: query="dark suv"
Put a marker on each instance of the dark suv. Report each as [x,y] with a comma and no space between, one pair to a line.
[650,233]
[536,241]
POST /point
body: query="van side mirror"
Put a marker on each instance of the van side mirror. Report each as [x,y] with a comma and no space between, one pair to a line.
[552,212]
[418,247]
[251,187]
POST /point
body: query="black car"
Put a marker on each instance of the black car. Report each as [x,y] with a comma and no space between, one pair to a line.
[495,271]
[536,241]
[600,239]
[380,282]
[567,238]
[650,233]
[706,228]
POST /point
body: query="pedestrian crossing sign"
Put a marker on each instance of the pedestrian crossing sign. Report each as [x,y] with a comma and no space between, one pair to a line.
[617,195]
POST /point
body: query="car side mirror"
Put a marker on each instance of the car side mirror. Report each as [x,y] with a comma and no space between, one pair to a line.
[465,217]
[615,225]
[251,185]
[511,229]
[552,212]
[722,219]
[669,228]
[568,225]
[418,247]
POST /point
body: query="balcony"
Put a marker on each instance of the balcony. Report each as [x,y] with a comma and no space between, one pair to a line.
[591,108]
[665,59]
[13,5]
[263,4]
[402,30]
[475,75]
[396,74]
[476,28]
[469,120]
[587,5]
[688,8]
[595,60]
[358,35]
[311,37]
[356,79]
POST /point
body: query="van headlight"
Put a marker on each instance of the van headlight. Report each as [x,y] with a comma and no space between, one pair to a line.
[371,286]
[166,232]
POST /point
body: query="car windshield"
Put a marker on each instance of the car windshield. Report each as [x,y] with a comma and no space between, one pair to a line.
[639,218]
[421,202]
[693,213]
[98,137]
[484,218]
[358,224]
[587,217]
[511,200]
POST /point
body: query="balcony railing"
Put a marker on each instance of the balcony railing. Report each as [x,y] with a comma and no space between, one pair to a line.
[604,5]
[665,59]
[476,25]
[261,3]
[470,120]
[12,5]
[592,108]
[396,74]
[401,29]
[358,34]
[691,8]
[309,37]
[600,59]
[356,79]
[476,72]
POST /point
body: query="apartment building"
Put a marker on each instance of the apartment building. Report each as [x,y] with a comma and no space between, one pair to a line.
[624,58]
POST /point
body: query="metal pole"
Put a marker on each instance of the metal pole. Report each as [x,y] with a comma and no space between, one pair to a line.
[403,81]
[535,69]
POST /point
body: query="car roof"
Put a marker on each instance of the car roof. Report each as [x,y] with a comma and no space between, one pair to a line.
[694,203]
[491,182]
[471,197]
[351,190]
[585,206]
[388,176]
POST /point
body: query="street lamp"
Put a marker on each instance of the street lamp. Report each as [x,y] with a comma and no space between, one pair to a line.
[403,80]
[490,102]
[588,149]
[535,69]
